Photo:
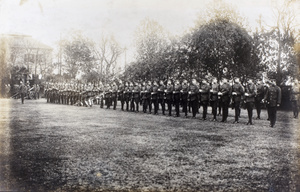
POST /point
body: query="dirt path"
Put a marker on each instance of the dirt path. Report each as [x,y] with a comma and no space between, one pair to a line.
[51,147]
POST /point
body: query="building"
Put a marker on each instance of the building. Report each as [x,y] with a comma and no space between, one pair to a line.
[25,51]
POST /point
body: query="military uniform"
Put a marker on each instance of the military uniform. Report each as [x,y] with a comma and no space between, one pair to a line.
[273,98]
[121,95]
[177,97]
[127,96]
[154,98]
[193,98]
[237,93]
[258,98]
[161,97]
[148,96]
[107,96]
[204,98]
[214,99]
[22,91]
[225,91]
[136,97]
[294,97]
[114,95]
[249,99]
[169,97]
[184,97]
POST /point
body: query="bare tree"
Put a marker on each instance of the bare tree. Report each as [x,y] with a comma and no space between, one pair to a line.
[107,53]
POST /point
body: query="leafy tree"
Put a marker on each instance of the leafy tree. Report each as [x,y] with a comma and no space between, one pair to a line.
[152,45]
[221,44]
[77,54]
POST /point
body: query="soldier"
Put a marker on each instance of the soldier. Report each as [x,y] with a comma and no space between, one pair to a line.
[237,93]
[126,95]
[193,96]
[225,92]
[107,96]
[143,96]
[249,99]
[259,97]
[121,94]
[214,97]
[148,96]
[161,96]
[114,95]
[204,97]
[130,96]
[136,96]
[294,97]
[184,96]
[28,90]
[273,99]
[101,91]
[154,97]
[177,96]
[169,92]
[22,91]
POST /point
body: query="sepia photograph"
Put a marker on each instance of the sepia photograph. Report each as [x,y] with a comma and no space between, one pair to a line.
[149,95]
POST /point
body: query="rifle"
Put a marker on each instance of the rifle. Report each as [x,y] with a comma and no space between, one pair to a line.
[14,95]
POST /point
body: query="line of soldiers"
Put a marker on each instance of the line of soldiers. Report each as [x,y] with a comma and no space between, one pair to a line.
[190,96]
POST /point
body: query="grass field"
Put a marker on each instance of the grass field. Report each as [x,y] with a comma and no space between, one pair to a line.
[52,147]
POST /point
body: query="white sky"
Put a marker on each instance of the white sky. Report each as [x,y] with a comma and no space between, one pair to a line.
[46,20]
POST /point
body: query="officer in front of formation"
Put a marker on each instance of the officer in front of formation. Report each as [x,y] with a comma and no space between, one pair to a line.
[273,100]
[237,93]
[204,97]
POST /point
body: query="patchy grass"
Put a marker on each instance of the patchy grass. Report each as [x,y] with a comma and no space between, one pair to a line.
[51,147]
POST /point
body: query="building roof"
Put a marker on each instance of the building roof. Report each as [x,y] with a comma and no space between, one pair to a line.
[23,41]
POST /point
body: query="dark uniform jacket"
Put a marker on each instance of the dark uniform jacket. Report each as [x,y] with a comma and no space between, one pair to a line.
[22,89]
[215,88]
[169,91]
[114,91]
[161,92]
[193,92]
[239,90]
[148,91]
[273,96]
[251,91]
[260,92]
[154,93]
[294,93]
[136,92]
[184,91]
[176,92]
[121,91]
[204,92]
[225,89]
